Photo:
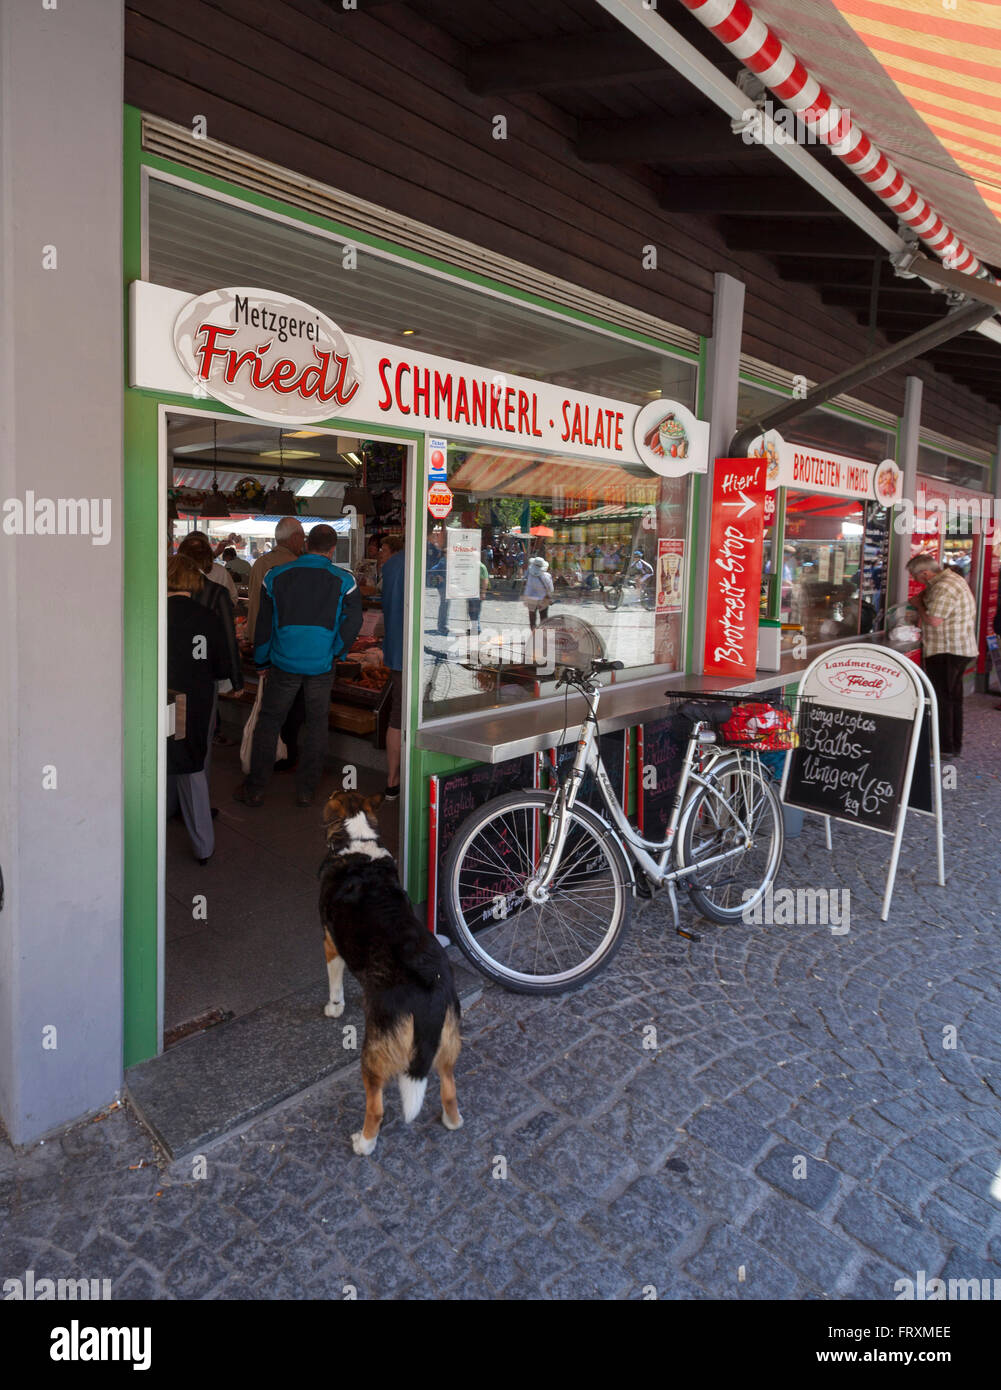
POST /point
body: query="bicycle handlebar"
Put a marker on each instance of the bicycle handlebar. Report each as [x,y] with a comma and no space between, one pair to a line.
[572,675]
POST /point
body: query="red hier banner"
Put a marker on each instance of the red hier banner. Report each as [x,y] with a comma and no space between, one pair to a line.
[735,552]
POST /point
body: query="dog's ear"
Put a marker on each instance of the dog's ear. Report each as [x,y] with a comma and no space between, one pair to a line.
[332,810]
[371,804]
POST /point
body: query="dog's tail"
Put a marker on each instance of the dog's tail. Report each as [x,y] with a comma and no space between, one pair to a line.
[433,1019]
[412,1095]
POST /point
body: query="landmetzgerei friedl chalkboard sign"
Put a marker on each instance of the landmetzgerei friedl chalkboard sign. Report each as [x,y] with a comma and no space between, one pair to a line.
[862,710]
[856,725]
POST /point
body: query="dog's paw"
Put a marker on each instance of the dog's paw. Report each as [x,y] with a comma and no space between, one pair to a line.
[451,1124]
[360,1144]
[333,1010]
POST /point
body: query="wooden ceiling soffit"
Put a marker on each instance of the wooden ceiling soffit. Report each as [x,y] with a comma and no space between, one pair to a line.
[890,297]
[676,140]
[972,349]
[598,59]
[812,240]
[578,60]
[748,197]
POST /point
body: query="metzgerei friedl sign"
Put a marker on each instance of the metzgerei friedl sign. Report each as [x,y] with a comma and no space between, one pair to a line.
[268,355]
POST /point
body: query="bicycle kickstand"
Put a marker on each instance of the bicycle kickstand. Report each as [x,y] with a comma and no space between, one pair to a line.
[678,928]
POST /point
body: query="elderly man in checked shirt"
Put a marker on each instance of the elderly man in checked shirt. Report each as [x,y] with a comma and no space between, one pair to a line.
[948,616]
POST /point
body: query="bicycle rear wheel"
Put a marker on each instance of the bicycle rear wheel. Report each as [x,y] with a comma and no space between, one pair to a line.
[739,794]
[535,948]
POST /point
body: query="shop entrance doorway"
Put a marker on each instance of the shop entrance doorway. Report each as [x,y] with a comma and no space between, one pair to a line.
[239,931]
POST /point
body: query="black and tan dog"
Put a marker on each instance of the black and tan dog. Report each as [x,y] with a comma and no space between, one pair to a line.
[411,1007]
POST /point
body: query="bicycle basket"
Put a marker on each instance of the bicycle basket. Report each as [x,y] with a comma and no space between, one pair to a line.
[768,724]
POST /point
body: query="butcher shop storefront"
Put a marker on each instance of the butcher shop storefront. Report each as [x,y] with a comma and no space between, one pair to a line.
[289,370]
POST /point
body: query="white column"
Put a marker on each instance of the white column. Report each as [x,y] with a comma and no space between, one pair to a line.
[61,380]
[722,382]
[910,429]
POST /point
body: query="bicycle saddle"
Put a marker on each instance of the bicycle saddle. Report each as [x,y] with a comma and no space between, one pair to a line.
[715,712]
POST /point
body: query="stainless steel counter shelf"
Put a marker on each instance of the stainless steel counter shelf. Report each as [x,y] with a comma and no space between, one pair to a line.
[493,736]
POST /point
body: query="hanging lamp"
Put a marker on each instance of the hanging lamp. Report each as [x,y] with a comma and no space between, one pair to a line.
[359,497]
[280,501]
[215,507]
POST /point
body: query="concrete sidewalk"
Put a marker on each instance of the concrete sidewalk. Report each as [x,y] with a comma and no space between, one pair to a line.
[814,1116]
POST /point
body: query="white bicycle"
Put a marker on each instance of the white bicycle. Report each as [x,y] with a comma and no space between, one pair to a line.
[537,884]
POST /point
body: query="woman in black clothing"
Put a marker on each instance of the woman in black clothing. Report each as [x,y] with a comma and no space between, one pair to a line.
[213,596]
[196,659]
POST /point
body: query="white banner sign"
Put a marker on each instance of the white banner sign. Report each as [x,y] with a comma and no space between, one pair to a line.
[278,359]
[806,469]
[462,562]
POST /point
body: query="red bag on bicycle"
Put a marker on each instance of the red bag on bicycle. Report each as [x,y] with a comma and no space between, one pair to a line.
[759,726]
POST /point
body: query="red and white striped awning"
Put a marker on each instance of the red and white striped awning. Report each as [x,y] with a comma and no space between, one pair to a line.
[922,82]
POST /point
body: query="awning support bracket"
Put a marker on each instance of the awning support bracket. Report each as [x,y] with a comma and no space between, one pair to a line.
[961,320]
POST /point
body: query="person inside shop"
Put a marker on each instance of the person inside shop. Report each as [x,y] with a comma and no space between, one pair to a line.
[215,596]
[199,547]
[197,658]
[310,614]
[367,570]
[537,594]
[947,610]
[436,574]
[391,557]
[290,543]
[236,567]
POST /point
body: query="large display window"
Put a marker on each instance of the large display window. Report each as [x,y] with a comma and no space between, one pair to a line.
[834,565]
[826,554]
[826,427]
[544,561]
[197,241]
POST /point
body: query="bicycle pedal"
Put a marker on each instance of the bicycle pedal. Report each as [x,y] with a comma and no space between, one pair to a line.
[688,935]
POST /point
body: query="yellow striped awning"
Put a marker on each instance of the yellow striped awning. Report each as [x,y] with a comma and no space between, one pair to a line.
[923,79]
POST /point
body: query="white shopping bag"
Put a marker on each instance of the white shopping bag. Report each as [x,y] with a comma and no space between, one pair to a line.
[247,742]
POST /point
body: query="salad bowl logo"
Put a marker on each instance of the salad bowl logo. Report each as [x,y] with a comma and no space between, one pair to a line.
[862,680]
[670,440]
[268,355]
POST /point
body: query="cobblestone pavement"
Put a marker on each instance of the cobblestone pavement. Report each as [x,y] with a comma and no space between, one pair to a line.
[802,1128]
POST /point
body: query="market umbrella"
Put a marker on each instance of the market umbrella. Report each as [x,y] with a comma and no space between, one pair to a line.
[541,531]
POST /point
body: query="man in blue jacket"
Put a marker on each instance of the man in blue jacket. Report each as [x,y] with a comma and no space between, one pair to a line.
[310,615]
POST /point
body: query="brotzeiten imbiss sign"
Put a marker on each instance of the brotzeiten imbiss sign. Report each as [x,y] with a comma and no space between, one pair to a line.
[860,715]
[279,359]
[806,469]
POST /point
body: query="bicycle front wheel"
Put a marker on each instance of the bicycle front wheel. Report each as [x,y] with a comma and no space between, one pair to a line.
[740,794]
[535,948]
